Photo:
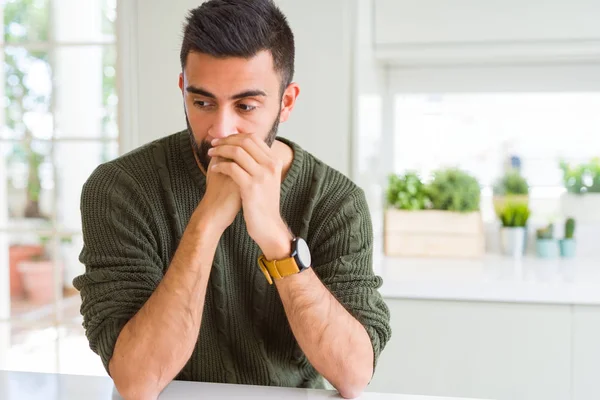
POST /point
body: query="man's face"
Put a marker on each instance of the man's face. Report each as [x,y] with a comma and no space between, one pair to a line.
[226,96]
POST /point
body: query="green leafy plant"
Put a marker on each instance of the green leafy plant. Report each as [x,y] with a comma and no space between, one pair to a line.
[582,178]
[594,172]
[545,233]
[28,21]
[569,228]
[514,215]
[407,192]
[454,190]
[512,183]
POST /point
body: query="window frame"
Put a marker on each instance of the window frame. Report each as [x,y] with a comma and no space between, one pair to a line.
[55,232]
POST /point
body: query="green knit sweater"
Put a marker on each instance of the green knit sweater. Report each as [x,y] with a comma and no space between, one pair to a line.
[134,211]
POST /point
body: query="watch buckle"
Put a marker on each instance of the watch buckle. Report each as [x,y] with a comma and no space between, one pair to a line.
[263,268]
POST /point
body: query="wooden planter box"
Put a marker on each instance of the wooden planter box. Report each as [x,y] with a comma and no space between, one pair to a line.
[432,233]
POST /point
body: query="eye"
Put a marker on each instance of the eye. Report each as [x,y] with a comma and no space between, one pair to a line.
[245,107]
[202,104]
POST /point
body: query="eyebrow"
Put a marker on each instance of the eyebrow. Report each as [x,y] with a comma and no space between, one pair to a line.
[206,93]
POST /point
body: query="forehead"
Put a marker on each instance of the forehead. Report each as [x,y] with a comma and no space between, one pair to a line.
[230,75]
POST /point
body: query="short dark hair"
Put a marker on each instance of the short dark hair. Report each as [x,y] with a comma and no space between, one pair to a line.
[240,28]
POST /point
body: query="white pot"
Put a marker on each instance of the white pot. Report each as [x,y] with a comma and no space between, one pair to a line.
[513,241]
[582,207]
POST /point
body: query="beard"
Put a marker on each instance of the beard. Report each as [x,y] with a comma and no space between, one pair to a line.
[201,149]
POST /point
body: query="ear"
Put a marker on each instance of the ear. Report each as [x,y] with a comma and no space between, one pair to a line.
[288,101]
[181,82]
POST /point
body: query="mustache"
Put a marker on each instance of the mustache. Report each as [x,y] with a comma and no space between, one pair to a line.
[201,149]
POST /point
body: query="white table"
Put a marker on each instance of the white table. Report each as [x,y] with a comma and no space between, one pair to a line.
[34,386]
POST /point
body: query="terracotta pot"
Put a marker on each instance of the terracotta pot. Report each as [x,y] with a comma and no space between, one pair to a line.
[17,254]
[38,280]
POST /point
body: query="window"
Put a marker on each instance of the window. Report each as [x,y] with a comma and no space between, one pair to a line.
[59,96]
[480,132]
[478,118]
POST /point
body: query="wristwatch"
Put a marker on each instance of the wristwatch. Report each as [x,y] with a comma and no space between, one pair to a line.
[297,262]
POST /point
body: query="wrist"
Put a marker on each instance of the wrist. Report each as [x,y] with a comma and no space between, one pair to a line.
[208,219]
[197,247]
[278,245]
[205,228]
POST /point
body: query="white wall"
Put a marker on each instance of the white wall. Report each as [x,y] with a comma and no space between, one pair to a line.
[152,104]
[474,21]
[157,39]
[321,122]
[471,31]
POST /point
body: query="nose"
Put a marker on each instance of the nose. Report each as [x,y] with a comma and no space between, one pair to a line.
[224,124]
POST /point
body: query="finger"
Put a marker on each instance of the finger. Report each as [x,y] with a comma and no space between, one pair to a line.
[234,171]
[250,143]
[237,154]
[213,161]
[261,143]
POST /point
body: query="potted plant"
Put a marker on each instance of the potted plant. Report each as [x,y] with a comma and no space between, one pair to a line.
[514,218]
[38,274]
[16,255]
[454,190]
[546,246]
[31,214]
[441,219]
[582,198]
[567,245]
[511,187]
[407,192]
[26,152]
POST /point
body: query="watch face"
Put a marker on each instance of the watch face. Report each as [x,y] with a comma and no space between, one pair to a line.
[303,253]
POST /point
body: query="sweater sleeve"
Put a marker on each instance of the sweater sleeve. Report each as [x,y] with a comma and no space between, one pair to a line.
[343,258]
[122,265]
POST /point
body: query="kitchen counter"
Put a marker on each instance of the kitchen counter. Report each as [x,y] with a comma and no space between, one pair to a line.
[493,279]
[34,386]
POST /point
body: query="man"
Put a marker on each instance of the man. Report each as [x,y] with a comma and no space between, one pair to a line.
[223,254]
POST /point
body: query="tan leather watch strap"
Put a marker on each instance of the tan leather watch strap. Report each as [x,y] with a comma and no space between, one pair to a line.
[277,269]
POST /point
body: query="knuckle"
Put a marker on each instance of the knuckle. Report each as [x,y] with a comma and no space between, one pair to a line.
[261,177]
[247,141]
[255,185]
[274,166]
